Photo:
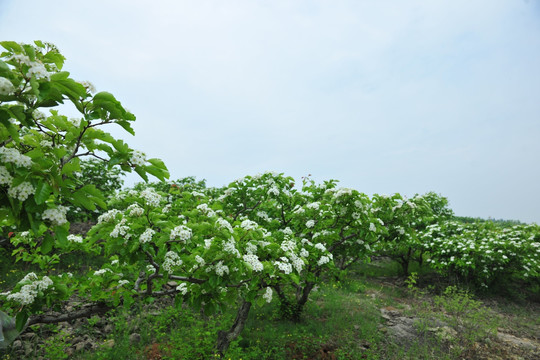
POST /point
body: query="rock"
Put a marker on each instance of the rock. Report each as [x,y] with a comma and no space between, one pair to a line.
[109,343]
[28,349]
[400,328]
[403,332]
[69,351]
[134,338]
[523,343]
[444,332]
[28,336]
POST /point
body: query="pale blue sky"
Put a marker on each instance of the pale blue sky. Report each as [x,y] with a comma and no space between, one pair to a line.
[385,96]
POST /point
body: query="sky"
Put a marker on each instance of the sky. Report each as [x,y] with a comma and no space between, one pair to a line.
[384,96]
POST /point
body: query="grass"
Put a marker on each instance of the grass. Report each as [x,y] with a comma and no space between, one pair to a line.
[342,320]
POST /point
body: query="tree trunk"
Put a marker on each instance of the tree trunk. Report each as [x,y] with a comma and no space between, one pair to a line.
[225,337]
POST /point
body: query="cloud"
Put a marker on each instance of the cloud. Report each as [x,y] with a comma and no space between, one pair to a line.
[395,96]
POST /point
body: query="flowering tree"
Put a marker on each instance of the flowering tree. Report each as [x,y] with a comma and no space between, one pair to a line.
[106,179]
[403,218]
[40,156]
[214,260]
[483,253]
[319,222]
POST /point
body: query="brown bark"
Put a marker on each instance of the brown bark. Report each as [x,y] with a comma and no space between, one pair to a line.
[86,311]
[225,337]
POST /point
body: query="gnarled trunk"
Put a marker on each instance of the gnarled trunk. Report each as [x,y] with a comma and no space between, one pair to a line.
[225,337]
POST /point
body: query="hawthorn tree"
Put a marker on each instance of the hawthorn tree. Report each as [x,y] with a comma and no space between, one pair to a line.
[40,157]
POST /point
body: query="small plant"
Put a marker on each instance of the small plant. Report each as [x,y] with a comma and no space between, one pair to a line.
[411,282]
[471,320]
[55,346]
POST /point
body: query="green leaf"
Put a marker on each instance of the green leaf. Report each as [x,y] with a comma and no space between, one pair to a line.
[127,126]
[157,172]
[47,244]
[11,46]
[71,88]
[43,191]
[20,320]
[72,166]
[61,234]
[5,70]
[54,57]
[30,51]
[141,173]
[80,198]
[108,102]
[12,130]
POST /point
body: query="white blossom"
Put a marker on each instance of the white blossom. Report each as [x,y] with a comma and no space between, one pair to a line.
[135,210]
[101,272]
[138,158]
[205,209]
[253,261]
[56,216]
[224,224]
[230,247]
[88,85]
[287,231]
[6,87]
[38,70]
[284,265]
[75,238]
[108,216]
[324,259]
[320,247]
[21,191]
[75,121]
[268,295]
[182,287]
[151,197]
[221,269]
[182,232]
[171,261]
[5,176]
[249,225]
[12,155]
[146,236]
[120,229]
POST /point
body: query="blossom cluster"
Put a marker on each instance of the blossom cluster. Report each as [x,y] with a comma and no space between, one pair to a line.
[138,158]
[268,295]
[181,232]
[75,238]
[135,210]
[5,176]
[30,290]
[21,191]
[171,261]
[254,262]
[151,197]
[146,236]
[56,216]
[6,87]
[12,155]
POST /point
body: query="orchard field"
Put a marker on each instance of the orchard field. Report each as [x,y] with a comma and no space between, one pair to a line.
[265,267]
